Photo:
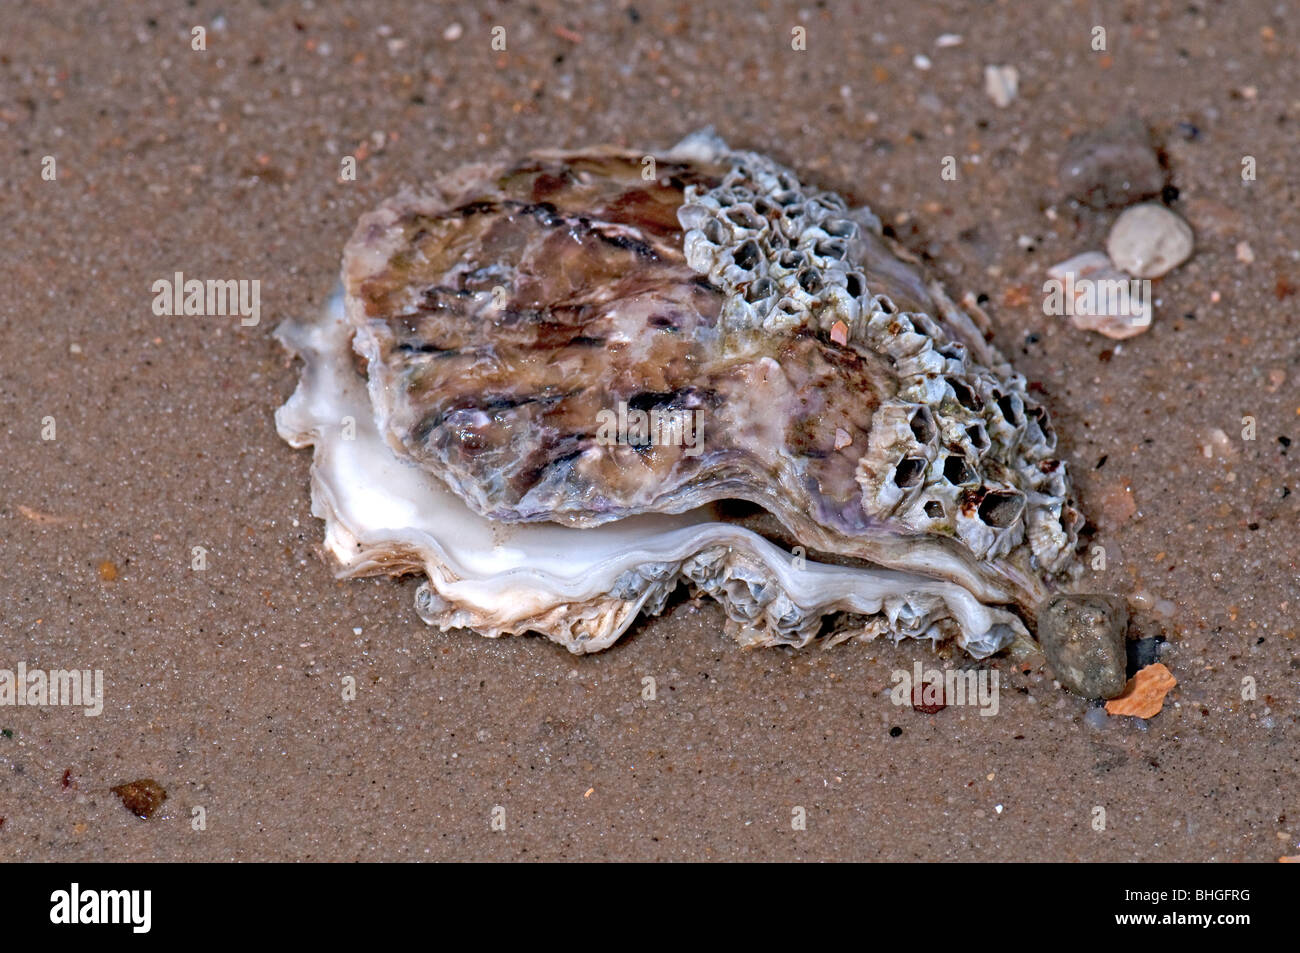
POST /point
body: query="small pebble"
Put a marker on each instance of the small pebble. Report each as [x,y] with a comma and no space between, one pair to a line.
[1082,637]
[1142,599]
[1096,718]
[921,61]
[1141,653]
[1112,167]
[1216,443]
[142,798]
[1245,254]
[1001,84]
[1148,241]
[1144,649]
[946,40]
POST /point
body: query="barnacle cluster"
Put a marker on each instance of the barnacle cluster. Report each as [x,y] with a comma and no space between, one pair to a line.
[960,449]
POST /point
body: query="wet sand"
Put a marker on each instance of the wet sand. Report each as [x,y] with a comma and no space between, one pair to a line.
[225,685]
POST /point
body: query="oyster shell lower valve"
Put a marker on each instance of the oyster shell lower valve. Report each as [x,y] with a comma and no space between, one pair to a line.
[563,386]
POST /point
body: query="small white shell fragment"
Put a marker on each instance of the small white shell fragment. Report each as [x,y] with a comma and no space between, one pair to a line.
[1148,240]
[1099,297]
[1001,84]
[946,40]
[1216,443]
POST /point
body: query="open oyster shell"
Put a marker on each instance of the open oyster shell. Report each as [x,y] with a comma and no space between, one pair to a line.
[507,317]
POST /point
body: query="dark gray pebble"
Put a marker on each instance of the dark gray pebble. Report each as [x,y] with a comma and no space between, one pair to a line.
[1082,636]
[1113,167]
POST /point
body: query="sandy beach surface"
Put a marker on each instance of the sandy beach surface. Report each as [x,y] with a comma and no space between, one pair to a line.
[225,685]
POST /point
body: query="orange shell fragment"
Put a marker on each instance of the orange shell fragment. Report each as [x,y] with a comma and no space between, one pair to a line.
[1144,694]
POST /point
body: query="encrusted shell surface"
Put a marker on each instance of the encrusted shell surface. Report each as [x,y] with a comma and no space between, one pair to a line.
[506,311]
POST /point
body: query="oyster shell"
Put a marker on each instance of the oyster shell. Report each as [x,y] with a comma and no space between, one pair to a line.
[505,316]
